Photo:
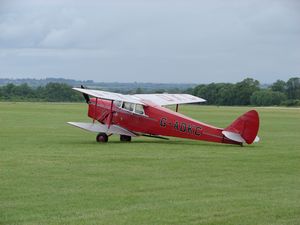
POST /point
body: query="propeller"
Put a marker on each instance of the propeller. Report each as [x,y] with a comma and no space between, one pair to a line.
[110,114]
[86,96]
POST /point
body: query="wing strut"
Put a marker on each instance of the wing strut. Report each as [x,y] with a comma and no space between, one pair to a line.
[110,114]
[95,114]
[176,107]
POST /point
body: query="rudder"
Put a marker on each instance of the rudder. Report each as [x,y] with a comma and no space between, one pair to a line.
[244,128]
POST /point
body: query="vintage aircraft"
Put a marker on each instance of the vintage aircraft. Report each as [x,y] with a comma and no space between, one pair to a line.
[144,115]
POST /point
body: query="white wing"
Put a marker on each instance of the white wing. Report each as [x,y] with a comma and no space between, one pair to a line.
[98,127]
[169,99]
[110,95]
[157,99]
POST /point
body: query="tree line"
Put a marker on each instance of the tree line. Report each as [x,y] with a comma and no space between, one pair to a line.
[246,92]
[249,92]
[52,92]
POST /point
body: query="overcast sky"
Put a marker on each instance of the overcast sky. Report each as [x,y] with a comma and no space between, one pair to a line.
[192,41]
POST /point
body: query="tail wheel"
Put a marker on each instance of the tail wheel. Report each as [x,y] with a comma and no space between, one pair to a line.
[125,138]
[102,137]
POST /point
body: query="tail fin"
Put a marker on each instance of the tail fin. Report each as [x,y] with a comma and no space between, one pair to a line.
[244,128]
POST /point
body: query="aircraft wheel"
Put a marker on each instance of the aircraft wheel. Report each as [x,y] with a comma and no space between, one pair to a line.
[125,138]
[102,137]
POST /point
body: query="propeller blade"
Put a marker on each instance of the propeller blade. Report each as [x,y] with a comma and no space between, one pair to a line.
[86,96]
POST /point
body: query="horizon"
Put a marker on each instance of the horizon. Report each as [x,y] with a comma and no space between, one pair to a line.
[138,82]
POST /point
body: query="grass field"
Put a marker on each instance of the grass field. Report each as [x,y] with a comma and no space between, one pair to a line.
[52,173]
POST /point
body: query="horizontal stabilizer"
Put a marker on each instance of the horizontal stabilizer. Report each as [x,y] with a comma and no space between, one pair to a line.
[102,128]
[233,136]
[237,137]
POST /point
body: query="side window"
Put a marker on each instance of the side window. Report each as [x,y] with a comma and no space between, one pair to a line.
[128,106]
[139,109]
[118,103]
[131,106]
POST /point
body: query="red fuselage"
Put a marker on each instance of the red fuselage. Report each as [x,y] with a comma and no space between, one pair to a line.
[156,120]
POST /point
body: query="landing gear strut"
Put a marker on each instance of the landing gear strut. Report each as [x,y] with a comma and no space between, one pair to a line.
[102,137]
[125,138]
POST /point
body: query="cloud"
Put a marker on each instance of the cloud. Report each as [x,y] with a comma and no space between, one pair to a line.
[199,41]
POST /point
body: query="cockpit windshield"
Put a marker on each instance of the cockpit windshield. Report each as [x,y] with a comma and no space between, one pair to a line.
[128,106]
[135,108]
[118,103]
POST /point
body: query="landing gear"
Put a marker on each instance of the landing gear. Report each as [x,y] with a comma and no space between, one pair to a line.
[102,137]
[125,138]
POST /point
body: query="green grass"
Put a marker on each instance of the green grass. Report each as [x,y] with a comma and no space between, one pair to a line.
[52,173]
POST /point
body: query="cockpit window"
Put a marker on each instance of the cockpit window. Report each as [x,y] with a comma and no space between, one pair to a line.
[139,109]
[128,106]
[136,108]
[118,103]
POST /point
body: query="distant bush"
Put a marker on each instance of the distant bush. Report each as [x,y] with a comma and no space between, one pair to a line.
[249,92]
[56,92]
[267,98]
[52,92]
[227,93]
[291,102]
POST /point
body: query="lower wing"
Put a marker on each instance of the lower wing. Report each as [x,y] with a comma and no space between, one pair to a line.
[103,128]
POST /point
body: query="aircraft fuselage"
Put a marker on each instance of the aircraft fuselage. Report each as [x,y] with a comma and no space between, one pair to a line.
[156,120]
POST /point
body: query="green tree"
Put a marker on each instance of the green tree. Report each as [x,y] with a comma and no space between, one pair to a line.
[293,88]
[226,94]
[1,93]
[8,91]
[279,85]
[267,98]
[159,91]
[139,91]
[189,91]
[58,92]
[244,89]
[209,92]
[23,91]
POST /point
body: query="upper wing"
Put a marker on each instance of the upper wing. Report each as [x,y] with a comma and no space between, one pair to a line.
[110,95]
[169,99]
[158,99]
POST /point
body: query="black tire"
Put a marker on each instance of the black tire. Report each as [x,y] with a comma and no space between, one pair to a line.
[125,138]
[102,137]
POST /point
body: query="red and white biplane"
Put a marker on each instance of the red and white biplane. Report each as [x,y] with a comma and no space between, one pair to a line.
[145,115]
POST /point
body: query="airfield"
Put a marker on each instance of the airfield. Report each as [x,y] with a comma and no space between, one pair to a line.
[52,173]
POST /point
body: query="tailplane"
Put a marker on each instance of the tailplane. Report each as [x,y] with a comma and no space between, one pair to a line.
[244,128]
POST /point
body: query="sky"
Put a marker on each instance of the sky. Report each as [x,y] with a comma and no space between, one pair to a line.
[161,41]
